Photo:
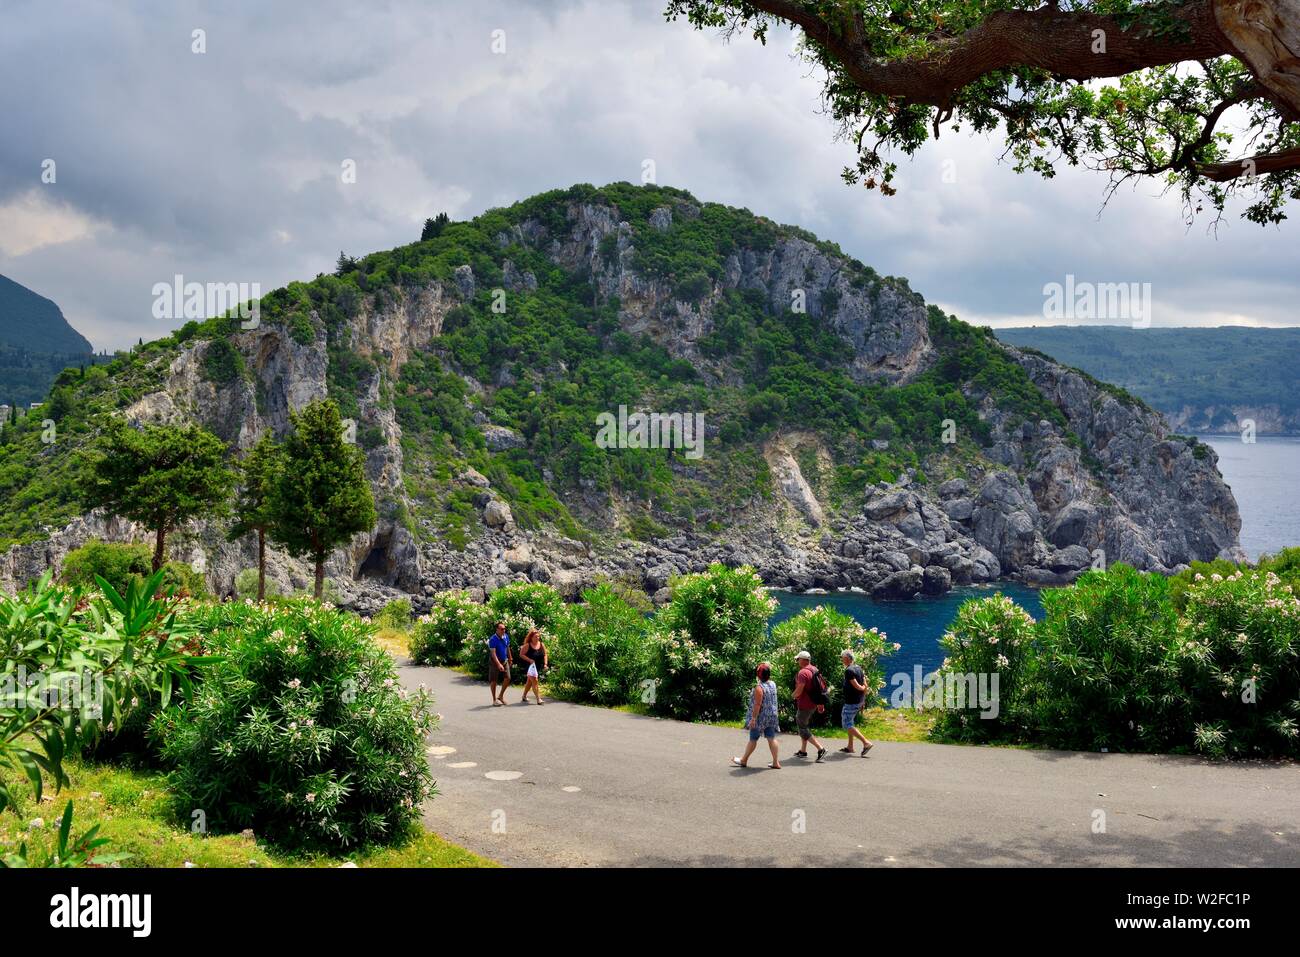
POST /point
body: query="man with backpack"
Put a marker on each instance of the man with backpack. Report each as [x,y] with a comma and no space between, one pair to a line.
[810,697]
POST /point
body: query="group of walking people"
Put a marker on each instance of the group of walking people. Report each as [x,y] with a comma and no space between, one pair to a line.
[532,654]
[811,695]
[810,698]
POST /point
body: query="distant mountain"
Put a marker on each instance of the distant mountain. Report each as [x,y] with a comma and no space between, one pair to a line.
[1203,380]
[31,322]
[36,343]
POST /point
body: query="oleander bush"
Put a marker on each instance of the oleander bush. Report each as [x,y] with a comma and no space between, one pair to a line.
[989,636]
[825,633]
[1241,664]
[1106,670]
[600,649]
[522,606]
[300,730]
[1113,664]
[453,620]
[707,642]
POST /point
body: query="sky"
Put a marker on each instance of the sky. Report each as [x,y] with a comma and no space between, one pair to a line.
[227,165]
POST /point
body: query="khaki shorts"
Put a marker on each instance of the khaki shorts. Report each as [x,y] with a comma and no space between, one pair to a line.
[803,719]
[495,674]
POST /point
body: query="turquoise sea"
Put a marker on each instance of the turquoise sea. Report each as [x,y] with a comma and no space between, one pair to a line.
[917,625]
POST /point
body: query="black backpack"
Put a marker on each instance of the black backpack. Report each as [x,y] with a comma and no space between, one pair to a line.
[818,691]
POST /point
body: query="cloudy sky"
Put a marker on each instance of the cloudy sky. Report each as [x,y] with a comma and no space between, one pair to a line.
[225,166]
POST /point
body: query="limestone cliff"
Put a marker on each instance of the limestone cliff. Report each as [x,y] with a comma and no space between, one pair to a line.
[1097,477]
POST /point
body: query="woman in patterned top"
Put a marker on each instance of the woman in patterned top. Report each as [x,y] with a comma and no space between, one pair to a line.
[761,718]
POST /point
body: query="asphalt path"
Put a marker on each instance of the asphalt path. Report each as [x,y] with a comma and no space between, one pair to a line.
[571,785]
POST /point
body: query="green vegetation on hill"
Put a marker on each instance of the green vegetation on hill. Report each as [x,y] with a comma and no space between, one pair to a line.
[36,343]
[32,322]
[554,359]
[558,357]
[25,377]
[1177,369]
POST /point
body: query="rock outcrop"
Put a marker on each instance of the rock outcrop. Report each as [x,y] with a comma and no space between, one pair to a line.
[1043,502]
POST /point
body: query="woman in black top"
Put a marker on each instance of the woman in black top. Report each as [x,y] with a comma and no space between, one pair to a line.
[533,654]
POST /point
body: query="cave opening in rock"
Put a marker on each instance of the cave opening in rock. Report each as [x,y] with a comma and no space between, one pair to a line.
[376,562]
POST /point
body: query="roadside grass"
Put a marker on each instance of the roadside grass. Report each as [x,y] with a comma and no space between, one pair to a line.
[395,641]
[878,724]
[139,816]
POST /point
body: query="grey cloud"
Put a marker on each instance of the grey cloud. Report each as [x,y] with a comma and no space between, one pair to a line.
[199,164]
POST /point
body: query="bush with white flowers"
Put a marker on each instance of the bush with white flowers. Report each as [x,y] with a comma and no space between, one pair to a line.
[300,731]
[708,641]
[1241,664]
[454,619]
[522,606]
[989,636]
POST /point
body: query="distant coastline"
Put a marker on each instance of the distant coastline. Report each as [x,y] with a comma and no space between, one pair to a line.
[1203,380]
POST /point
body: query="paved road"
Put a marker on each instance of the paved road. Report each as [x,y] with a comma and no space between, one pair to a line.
[597,787]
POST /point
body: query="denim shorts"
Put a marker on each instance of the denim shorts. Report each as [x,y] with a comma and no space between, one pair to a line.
[768,732]
[848,715]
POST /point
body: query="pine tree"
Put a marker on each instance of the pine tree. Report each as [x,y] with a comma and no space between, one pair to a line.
[160,476]
[322,497]
[434,226]
[345,264]
[259,472]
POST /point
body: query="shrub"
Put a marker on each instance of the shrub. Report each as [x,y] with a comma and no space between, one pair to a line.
[989,636]
[300,730]
[600,649]
[1241,664]
[181,579]
[522,606]
[453,621]
[708,640]
[1107,674]
[246,585]
[118,564]
[1285,565]
[1178,584]
[330,594]
[222,362]
[396,614]
[824,633]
